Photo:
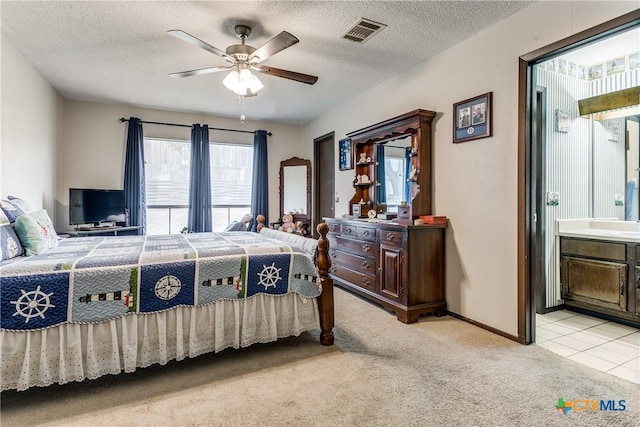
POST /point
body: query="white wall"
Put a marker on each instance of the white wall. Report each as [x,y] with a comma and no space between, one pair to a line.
[31,131]
[94,144]
[475,183]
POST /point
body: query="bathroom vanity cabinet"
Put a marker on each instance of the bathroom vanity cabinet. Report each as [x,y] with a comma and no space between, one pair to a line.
[601,275]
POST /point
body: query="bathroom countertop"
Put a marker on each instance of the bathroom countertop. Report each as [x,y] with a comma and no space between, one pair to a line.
[604,229]
[604,234]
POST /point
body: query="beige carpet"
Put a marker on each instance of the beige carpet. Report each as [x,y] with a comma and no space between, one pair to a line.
[437,372]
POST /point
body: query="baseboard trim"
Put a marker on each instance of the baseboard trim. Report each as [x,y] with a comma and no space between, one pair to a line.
[486,327]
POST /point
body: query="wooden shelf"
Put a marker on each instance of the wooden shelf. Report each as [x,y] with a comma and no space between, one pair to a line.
[415,124]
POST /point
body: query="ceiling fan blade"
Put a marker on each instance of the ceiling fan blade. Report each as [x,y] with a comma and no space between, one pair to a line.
[273,46]
[197,42]
[291,75]
[200,71]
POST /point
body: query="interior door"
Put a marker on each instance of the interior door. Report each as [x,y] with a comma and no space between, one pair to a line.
[324,178]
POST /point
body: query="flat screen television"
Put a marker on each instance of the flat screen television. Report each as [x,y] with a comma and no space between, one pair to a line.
[95,206]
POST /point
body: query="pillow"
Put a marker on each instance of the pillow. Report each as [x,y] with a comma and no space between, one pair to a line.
[236,226]
[20,203]
[10,246]
[11,210]
[306,244]
[36,232]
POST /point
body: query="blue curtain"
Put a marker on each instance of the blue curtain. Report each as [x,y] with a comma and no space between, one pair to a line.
[381,175]
[200,181]
[407,172]
[134,181]
[260,184]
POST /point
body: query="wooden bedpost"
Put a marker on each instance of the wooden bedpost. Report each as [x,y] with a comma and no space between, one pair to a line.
[260,220]
[325,302]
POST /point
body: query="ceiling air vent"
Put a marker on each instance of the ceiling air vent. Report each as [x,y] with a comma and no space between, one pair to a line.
[363,30]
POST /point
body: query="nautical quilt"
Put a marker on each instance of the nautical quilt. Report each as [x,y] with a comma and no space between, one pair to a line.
[91,279]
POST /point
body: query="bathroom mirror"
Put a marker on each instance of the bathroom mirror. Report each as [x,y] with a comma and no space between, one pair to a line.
[616,173]
[392,163]
[295,188]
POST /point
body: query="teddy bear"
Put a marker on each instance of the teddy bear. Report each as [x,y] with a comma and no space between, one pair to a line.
[287,223]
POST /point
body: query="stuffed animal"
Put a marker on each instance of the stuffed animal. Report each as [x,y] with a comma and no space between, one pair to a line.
[287,223]
[300,228]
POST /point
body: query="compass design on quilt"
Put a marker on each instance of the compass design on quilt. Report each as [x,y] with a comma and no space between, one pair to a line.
[269,276]
[12,248]
[167,287]
[32,304]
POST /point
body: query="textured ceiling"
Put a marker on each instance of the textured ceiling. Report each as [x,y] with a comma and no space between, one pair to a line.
[120,52]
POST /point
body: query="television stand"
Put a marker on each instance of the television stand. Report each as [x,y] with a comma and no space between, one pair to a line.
[111,230]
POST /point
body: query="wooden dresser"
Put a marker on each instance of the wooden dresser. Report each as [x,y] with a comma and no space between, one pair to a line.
[399,267]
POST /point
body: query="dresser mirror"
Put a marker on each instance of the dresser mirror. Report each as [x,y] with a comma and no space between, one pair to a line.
[295,188]
[393,166]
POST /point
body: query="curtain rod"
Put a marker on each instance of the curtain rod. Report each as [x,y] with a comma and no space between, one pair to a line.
[122,120]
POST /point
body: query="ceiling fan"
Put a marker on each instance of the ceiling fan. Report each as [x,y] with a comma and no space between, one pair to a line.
[242,58]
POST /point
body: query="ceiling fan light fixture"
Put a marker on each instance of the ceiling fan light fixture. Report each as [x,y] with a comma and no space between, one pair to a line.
[242,82]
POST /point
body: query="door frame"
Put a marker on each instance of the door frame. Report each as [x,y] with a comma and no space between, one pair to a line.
[316,217]
[527,236]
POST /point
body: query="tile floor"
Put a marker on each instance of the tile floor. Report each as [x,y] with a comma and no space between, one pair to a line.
[600,344]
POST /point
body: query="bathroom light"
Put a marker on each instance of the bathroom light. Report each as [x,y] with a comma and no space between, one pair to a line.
[608,102]
[242,82]
[617,114]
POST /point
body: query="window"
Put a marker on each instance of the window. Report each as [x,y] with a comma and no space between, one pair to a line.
[231,175]
[167,172]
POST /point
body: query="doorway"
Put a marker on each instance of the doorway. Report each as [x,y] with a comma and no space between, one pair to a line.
[323,178]
[536,259]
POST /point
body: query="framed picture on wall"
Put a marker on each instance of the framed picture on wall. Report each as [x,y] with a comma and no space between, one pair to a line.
[346,156]
[472,118]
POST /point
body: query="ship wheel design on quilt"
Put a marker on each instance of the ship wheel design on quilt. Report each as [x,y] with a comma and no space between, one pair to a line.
[32,304]
[167,287]
[269,275]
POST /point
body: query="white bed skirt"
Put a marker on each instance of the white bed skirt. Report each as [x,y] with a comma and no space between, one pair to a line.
[74,352]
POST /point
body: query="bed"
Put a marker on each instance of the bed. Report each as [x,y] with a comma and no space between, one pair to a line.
[93,306]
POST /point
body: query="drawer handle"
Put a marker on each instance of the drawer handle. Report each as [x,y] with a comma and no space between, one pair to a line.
[333,254]
[365,281]
[621,287]
[389,236]
[365,264]
[332,227]
[347,230]
[365,248]
[366,232]
[332,270]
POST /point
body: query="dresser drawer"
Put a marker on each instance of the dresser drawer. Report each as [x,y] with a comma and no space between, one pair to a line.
[357,247]
[362,264]
[367,233]
[349,230]
[362,280]
[390,237]
[334,227]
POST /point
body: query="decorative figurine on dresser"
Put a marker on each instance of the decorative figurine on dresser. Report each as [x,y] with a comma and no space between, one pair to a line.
[384,251]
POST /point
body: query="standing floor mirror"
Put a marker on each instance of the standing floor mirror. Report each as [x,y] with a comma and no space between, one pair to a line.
[295,194]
